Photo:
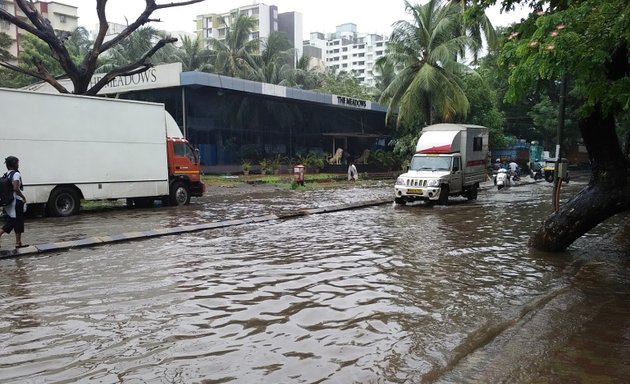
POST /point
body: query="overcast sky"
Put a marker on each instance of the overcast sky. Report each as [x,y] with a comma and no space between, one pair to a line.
[374,16]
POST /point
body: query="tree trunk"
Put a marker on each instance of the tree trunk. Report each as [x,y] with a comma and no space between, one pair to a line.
[606,194]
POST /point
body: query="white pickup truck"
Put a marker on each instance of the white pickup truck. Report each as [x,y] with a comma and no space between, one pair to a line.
[450,160]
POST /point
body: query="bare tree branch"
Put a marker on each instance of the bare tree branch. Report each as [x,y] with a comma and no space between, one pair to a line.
[46,76]
[130,69]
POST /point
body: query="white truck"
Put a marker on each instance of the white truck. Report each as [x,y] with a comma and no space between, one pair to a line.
[76,147]
[450,160]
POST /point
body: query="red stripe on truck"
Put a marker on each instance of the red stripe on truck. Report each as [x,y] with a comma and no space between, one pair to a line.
[472,163]
[439,149]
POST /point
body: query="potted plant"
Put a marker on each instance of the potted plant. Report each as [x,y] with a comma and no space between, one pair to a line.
[275,164]
[246,165]
[315,160]
[264,165]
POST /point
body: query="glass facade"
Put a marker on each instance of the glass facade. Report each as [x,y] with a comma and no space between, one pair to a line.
[228,125]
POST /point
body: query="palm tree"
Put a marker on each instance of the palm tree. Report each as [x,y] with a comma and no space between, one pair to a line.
[234,55]
[304,76]
[424,52]
[384,74]
[131,49]
[192,54]
[274,65]
[477,25]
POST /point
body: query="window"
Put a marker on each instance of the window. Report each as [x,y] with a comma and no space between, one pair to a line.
[255,35]
[183,150]
[456,164]
[478,144]
[62,18]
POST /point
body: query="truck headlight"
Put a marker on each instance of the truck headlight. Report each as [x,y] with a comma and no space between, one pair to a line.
[433,183]
[400,181]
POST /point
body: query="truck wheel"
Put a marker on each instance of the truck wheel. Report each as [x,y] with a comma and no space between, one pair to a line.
[400,201]
[443,199]
[63,201]
[473,192]
[180,195]
[549,177]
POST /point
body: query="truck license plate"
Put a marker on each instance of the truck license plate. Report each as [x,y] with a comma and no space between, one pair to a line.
[415,191]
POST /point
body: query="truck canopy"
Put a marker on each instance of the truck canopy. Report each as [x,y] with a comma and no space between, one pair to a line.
[439,142]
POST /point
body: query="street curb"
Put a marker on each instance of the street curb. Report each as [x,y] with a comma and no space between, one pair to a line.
[142,235]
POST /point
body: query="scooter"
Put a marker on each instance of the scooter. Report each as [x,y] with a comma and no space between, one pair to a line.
[502,179]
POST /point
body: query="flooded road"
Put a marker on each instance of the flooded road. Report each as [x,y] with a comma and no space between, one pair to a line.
[386,294]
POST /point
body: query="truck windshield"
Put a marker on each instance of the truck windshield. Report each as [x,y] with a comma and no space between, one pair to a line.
[183,150]
[430,163]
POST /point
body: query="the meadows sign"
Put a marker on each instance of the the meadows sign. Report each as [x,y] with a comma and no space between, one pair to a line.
[160,76]
[351,102]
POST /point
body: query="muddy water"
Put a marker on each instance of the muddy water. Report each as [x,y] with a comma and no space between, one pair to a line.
[379,295]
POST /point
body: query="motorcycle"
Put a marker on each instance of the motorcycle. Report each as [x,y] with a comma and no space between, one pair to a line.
[502,179]
[516,175]
[537,174]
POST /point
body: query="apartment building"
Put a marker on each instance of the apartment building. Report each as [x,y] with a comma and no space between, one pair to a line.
[214,25]
[62,17]
[350,51]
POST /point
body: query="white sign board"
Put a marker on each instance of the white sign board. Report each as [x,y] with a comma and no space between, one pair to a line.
[160,76]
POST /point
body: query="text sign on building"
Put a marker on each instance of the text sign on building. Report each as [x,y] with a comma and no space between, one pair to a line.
[161,76]
[351,102]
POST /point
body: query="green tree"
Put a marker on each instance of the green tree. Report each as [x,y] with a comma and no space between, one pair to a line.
[304,76]
[424,52]
[587,41]
[131,49]
[192,54]
[275,64]
[5,43]
[384,73]
[484,109]
[233,56]
[342,83]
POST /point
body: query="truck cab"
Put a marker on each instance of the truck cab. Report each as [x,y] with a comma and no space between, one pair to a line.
[431,177]
[184,171]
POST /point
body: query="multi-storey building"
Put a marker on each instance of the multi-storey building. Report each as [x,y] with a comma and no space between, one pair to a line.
[62,17]
[214,25]
[350,51]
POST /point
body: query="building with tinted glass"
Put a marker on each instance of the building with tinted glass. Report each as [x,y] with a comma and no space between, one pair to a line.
[229,119]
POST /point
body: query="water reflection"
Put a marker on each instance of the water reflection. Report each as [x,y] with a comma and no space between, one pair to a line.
[384,294]
[18,312]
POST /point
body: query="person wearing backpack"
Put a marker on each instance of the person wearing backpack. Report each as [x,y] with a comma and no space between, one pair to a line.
[15,209]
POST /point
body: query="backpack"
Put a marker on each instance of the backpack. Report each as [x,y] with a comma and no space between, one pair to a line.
[6,188]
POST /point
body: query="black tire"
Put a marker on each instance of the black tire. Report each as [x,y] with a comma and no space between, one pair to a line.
[63,201]
[400,201]
[499,187]
[443,199]
[549,177]
[180,194]
[473,192]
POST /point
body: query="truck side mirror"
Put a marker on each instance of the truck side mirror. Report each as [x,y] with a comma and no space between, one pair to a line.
[197,156]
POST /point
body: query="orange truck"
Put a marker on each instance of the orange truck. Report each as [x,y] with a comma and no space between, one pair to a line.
[73,148]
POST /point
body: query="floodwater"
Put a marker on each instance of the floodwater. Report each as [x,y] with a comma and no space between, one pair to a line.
[385,294]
